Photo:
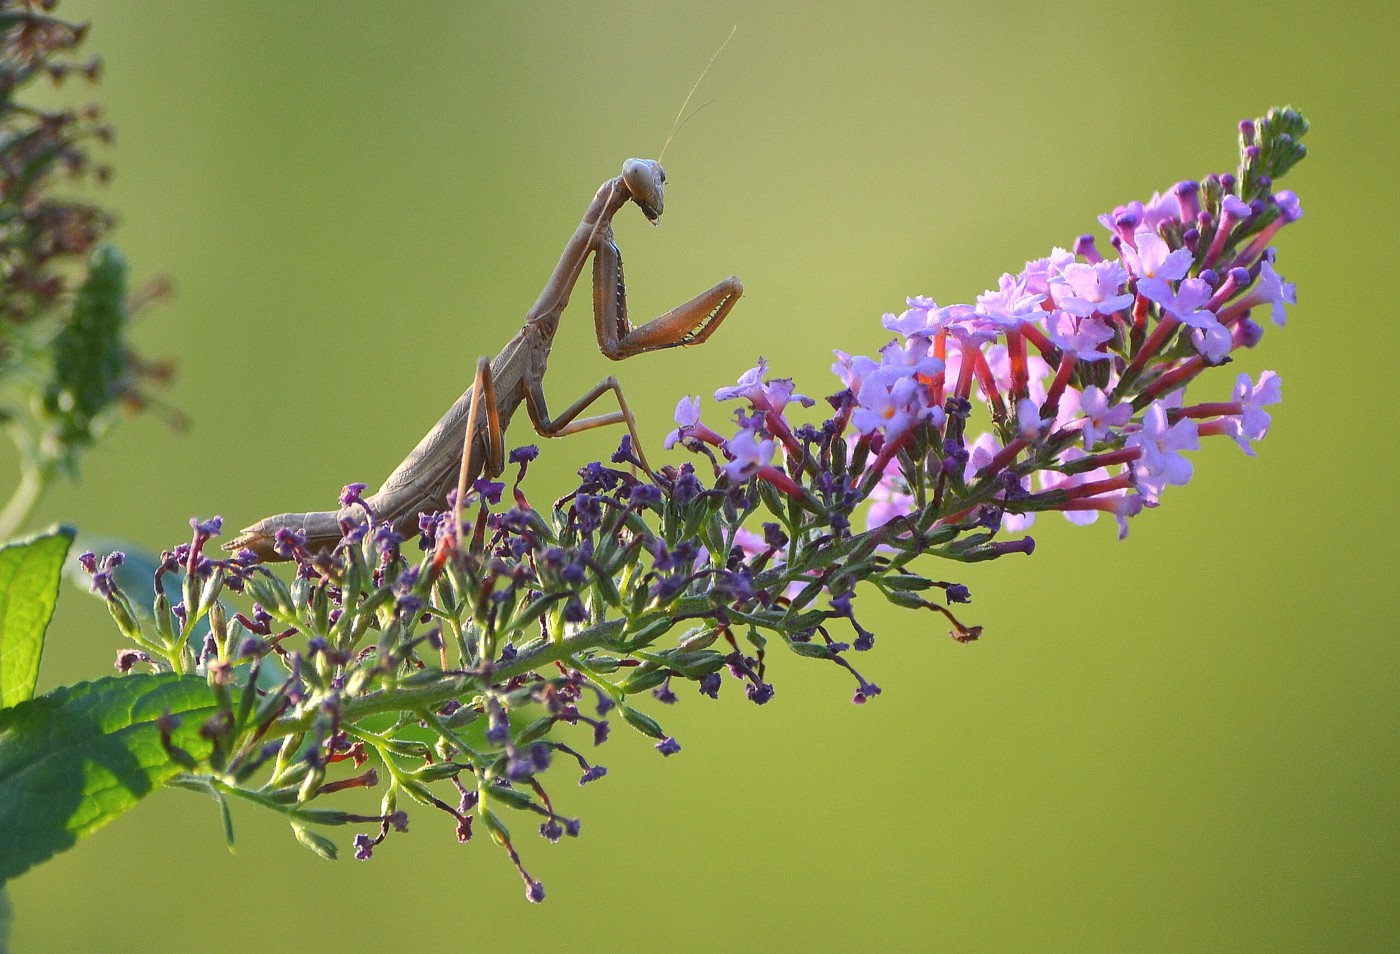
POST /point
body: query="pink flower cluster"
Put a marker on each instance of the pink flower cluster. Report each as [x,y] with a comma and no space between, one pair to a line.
[1083,361]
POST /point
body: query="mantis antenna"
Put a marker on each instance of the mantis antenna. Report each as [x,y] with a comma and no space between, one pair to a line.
[678,122]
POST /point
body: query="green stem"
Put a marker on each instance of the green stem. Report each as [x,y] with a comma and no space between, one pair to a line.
[32,484]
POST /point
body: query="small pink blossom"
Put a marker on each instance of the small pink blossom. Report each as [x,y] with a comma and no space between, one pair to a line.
[1252,423]
[1099,417]
[1081,337]
[1185,303]
[1162,463]
[1084,290]
[1010,305]
[688,417]
[1154,258]
[751,454]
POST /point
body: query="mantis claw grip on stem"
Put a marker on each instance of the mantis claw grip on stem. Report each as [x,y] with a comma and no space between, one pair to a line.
[468,440]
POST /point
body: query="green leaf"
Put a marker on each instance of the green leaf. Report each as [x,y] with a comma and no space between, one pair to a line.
[318,843]
[89,351]
[76,758]
[29,575]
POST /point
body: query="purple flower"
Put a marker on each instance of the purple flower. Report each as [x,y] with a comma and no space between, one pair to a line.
[1153,258]
[1274,292]
[1010,305]
[1038,275]
[901,361]
[751,453]
[1184,304]
[1080,336]
[1252,423]
[1085,290]
[1162,463]
[853,370]
[1099,417]
[893,410]
[917,320]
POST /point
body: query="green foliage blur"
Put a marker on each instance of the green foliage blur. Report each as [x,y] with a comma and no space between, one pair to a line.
[1179,742]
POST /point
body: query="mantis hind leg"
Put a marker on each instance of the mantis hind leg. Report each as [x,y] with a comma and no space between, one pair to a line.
[493,458]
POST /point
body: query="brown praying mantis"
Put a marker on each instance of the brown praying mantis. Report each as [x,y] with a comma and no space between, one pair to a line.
[467,441]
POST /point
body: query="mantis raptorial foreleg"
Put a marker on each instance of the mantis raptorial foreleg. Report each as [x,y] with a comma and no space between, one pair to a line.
[468,440]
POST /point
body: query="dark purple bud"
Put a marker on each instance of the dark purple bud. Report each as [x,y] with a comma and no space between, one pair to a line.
[1210,277]
[490,490]
[523,455]
[644,495]
[1250,332]
[207,528]
[1227,182]
[759,694]
[957,593]
[866,692]
[668,746]
[534,892]
[1024,545]
[624,453]
[687,486]
[103,584]
[773,536]
[1247,129]
[386,540]
[593,774]
[1186,187]
[709,685]
[287,543]
[574,611]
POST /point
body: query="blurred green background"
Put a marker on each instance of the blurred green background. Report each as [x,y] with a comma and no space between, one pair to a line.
[1186,741]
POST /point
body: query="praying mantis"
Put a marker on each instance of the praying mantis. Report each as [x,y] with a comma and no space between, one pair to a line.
[467,441]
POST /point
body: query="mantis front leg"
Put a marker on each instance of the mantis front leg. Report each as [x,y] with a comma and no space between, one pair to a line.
[690,323]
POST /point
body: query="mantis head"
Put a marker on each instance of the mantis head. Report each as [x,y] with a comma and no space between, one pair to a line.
[644,178]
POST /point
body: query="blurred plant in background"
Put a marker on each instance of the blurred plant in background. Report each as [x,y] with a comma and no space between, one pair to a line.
[65,366]
[456,674]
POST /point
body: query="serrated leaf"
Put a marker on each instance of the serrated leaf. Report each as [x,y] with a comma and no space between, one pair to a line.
[76,758]
[29,574]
